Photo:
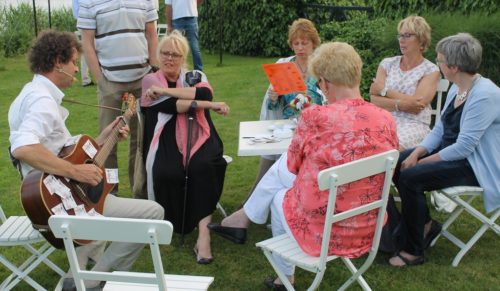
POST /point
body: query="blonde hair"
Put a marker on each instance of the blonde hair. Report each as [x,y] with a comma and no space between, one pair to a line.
[420,27]
[338,63]
[179,42]
[303,28]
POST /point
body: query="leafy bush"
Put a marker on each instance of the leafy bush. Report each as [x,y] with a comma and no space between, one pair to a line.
[485,28]
[398,9]
[17,26]
[375,39]
[63,20]
[16,29]
[256,27]
[372,44]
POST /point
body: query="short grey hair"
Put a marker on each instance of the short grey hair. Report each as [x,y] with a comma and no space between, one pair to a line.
[461,50]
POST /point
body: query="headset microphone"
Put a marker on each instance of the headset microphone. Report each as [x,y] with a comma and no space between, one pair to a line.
[67,74]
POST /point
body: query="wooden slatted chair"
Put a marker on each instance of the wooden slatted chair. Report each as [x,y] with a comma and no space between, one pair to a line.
[463,196]
[286,246]
[17,231]
[146,231]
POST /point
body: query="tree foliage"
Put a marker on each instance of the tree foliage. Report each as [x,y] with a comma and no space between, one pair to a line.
[401,8]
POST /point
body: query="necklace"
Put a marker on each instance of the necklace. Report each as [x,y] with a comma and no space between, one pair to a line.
[304,71]
[461,97]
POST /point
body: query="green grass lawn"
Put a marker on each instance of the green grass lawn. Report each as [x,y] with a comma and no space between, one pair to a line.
[241,83]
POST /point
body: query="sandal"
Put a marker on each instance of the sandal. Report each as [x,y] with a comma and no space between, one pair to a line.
[417,261]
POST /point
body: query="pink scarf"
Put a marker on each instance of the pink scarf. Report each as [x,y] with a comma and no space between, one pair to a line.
[200,129]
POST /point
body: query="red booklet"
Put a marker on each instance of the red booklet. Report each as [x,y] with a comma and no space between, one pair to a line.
[285,77]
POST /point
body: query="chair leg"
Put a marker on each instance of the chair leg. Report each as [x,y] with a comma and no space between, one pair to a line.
[356,274]
[281,275]
[451,218]
[18,274]
[317,280]
[44,253]
[488,222]
[21,272]
[221,209]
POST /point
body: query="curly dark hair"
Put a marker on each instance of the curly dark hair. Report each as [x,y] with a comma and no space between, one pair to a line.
[52,46]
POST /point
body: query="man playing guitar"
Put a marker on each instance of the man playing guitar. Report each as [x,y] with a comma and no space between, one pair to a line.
[38,134]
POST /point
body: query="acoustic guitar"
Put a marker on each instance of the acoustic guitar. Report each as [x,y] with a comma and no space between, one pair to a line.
[43,194]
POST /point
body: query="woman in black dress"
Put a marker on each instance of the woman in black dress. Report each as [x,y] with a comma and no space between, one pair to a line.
[167,96]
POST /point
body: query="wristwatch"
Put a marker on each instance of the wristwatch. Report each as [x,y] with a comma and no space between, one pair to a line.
[383,93]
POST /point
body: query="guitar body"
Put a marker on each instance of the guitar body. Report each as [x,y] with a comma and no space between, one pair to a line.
[38,202]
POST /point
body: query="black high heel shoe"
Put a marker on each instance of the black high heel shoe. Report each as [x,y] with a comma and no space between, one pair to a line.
[200,260]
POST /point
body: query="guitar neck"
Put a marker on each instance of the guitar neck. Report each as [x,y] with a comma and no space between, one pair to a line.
[110,142]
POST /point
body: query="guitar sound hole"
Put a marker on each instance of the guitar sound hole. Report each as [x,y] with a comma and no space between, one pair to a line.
[94,193]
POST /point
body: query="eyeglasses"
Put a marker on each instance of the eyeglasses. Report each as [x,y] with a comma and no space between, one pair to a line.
[404,35]
[170,55]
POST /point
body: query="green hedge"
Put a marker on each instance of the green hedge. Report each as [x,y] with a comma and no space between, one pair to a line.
[17,26]
[255,27]
[399,8]
[379,40]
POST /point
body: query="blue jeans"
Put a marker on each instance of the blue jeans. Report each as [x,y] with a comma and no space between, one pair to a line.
[412,184]
[189,26]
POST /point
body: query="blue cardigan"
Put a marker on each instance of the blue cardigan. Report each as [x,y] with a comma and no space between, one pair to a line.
[478,140]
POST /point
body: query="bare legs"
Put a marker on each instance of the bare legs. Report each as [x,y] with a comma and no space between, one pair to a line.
[203,242]
[237,219]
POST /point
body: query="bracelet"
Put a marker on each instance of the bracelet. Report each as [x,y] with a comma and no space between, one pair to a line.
[396,105]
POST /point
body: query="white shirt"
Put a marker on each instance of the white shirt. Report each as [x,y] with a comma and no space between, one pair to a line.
[37,117]
[183,8]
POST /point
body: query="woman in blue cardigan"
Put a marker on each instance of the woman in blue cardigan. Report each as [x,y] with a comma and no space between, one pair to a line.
[461,150]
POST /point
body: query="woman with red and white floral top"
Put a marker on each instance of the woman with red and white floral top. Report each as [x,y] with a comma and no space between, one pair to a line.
[346,129]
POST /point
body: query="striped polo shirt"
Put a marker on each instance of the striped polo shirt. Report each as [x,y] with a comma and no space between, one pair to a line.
[120,41]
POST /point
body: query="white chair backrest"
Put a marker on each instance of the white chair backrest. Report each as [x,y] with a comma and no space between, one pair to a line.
[111,228]
[441,88]
[161,30]
[152,232]
[336,176]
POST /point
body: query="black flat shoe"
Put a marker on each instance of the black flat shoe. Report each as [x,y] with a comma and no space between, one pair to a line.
[201,260]
[235,234]
[269,283]
[435,230]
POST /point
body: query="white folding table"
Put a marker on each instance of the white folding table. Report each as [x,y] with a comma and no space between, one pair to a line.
[252,129]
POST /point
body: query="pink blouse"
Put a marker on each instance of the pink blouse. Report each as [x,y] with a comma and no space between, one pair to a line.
[327,136]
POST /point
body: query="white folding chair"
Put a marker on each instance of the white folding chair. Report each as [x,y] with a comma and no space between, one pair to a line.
[146,231]
[17,231]
[161,30]
[441,88]
[286,246]
[463,196]
[229,160]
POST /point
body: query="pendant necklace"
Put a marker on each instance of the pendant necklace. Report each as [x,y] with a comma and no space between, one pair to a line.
[461,97]
[303,71]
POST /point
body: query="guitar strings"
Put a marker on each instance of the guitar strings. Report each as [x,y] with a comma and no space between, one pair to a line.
[91,105]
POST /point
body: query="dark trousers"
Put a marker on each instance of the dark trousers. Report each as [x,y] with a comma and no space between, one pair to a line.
[412,184]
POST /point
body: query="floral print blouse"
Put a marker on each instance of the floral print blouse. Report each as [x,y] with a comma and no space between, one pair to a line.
[328,136]
[284,100]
